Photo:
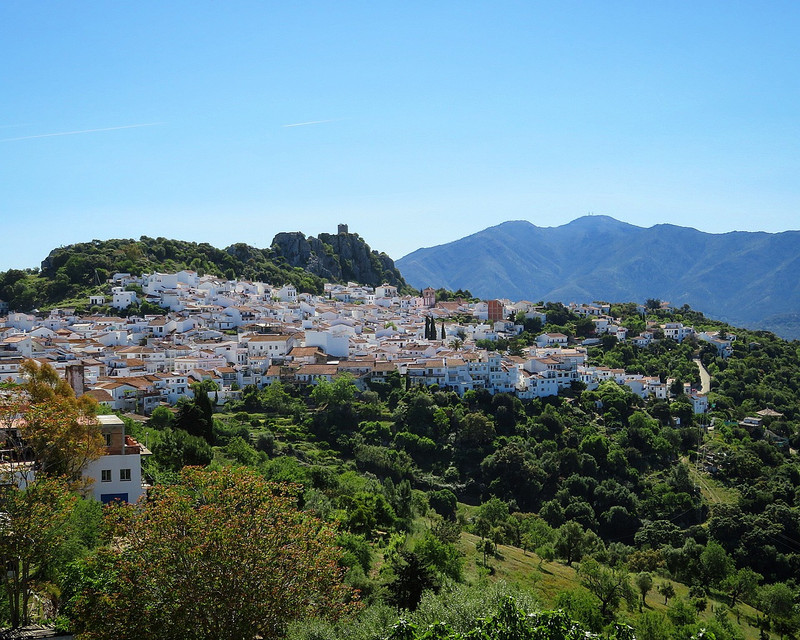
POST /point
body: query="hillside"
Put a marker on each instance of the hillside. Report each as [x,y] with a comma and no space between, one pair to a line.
[741,277]
[436,495]
[68,274]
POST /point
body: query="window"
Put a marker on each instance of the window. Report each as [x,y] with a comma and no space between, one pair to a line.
[105,475]
[124,474]
[107,437]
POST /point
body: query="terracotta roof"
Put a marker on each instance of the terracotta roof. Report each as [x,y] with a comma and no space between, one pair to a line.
[317,369]
[305,351]
[268,338]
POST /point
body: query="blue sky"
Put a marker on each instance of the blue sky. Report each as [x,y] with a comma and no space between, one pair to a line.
[431,120]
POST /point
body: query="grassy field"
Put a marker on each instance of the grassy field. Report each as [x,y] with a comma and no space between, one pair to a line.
[548,579]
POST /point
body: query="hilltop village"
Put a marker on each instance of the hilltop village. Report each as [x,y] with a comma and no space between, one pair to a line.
[429,429]
[238,333]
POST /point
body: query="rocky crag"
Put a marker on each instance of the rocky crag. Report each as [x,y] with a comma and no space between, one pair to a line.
[338,257]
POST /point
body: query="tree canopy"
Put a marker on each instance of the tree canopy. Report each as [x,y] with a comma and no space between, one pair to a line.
[54,429]
[222,554]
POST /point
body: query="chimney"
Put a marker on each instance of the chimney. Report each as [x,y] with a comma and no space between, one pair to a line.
[76,379]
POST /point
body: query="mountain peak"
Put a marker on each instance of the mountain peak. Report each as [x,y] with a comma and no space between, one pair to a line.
[593,221]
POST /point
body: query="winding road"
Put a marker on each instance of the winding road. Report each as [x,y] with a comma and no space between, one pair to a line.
[705,377]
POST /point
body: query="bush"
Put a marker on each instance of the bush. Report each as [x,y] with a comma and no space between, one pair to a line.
[266,443]
[444,502]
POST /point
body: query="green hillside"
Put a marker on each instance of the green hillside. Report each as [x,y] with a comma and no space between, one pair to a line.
[71,273]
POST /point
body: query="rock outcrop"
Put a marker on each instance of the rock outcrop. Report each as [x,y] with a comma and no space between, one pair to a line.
[339,257]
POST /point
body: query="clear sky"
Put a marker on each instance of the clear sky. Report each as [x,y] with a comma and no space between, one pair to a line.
[416,123]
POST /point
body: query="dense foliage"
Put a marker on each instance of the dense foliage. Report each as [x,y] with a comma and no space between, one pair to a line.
[250,561]
[47,437]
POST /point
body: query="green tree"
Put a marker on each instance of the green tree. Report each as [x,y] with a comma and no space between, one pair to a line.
[741,584]
[652,304]
[340,392]
[682,613]
[161,418]
[580,605]
[644,582]
[653,626]
[222,554]
[31,529]
[494,511]
[487,547]
[778,602]
[512,472]
[177,449]
[276,399]
[441,556]
[609,585]
[196,416]
[572,541]
[58,431]
[546,554]
[715,563]
[240,450]
[667,590]
[444,502]
[411,577]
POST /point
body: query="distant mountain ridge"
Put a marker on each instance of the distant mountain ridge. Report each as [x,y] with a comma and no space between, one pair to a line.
[745,278]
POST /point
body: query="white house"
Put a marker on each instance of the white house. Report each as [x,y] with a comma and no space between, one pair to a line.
[9,369]
[547,339]
[699,402]
[269,346]
[536,385]
[677,331]
[21,321]
[724,345]
[171,299]
[117,474]
[386,291]
[22,343]
[122,299]
[157,282]
[335,341]
[287,293]
[187,277]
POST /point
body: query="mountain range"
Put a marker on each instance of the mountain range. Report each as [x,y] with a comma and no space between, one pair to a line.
[746,278]
[749,279]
